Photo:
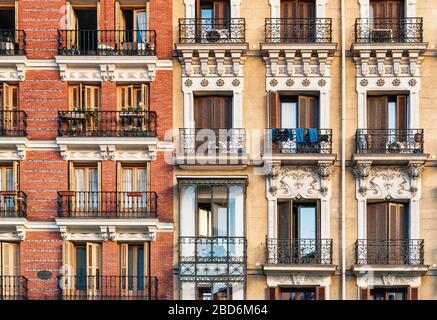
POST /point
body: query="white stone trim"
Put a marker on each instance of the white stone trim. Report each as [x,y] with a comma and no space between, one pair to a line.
[275,8]
[13,68]
[299,279]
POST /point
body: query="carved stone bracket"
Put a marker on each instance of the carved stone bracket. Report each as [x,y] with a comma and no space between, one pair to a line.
[21,232]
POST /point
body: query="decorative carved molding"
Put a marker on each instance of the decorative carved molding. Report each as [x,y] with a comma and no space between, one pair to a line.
[389,279]
[21,232]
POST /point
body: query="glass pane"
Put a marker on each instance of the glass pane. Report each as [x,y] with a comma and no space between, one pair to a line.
[307,222]
[288,115]
[205,220]
[9,179]
[81,268]
[220,210]
[391,115]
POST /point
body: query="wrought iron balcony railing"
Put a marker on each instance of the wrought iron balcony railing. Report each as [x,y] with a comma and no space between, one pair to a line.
[13,204]
[297,30]
[386,252]
[390,141]
[389,30]
[300,140]
[93,204]
[299,251]
[12,42]
[135,123]
[201,142]
[108,287]
[13,123]
[212,259]
[107,42]
[198,30]
[13,288]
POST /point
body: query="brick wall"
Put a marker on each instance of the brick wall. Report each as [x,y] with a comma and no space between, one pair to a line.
[43,173]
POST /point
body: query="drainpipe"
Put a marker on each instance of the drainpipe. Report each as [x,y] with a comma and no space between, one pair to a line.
[343,151]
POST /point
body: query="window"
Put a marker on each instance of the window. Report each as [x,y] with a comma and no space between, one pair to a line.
[209,9]
[83,263]
[84,97]
[8,183]
[9,106]
[297,293]
[388,294]
[301,9]
[217,291]
[84,20]
[387,112]
[133,185]
[133,96]
[134,266]
[387,230]
[10,259]
[386,8]
[85,181]
[300,223]
[299,112]
[132,21]
[7,18]
[213,112]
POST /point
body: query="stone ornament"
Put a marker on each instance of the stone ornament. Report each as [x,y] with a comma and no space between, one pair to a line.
[204,83]
[290,83]
[322,83]
[235,82]
[273,82]
[364,82]
[220,83]
[188,82]
[396,82]
[380,82]
[306,82]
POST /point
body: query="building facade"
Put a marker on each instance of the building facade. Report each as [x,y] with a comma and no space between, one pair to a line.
[314,180]
[217,149]
[86,196]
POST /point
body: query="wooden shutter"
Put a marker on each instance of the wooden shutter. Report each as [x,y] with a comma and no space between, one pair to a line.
[94,265]
[307,9]
[377,112]
[92,97]
[69,263]
[222,10]
[272,293]
[145,96]
[377,221]
[364,294]
[413,293]
[10,260]
[146,258]
[74,97]
[395,9]
[124,261]
[288,8]
[308,114]
[284,220]
[320,293]
[274,104]
[16,175]
[398,221]
[401,116]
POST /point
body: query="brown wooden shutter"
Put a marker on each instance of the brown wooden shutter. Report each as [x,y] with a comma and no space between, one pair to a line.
[364,294]
[222,10]
[401,110]
[398,221]
[272,293]
[274,110]
[377,109]
[307,9]
[320,293]
[377,221]
[302,112]
[284,220]
[287,9]
[413,293]
[313,112]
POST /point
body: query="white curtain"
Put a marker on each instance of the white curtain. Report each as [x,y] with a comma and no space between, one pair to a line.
[142,187]
[94,187]
[127,187]
[141,26]
[80,188]
[288,115]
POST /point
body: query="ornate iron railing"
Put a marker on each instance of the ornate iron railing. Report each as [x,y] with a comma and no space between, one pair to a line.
[108,287]
[299,251]
[13,123]
[123,205]
[397,252]
[107,42]
[390,140]
[301,140]
[13,288]
[87,123]
[215,259]
[386,30]
[12,42]
[13,204]
[202,142]
[198,30]
[298,30]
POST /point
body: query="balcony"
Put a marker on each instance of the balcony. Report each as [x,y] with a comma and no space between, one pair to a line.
[129,123]
[107,205]
[13,288]
[215,259]
[390,146]
[13,123]
[285,30]
[212,147]
[107,42]
[390,252]
[301,145]
[108,287]
[13,204]
[389,30]
[212,31]
[12,42]
[310,256]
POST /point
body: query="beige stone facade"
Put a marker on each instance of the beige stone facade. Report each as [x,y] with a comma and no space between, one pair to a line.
[400,174]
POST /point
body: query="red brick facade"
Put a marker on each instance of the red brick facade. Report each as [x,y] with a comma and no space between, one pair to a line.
[43,172]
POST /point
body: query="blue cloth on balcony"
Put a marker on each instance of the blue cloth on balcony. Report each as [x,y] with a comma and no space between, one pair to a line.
[313,135]
[300,135]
